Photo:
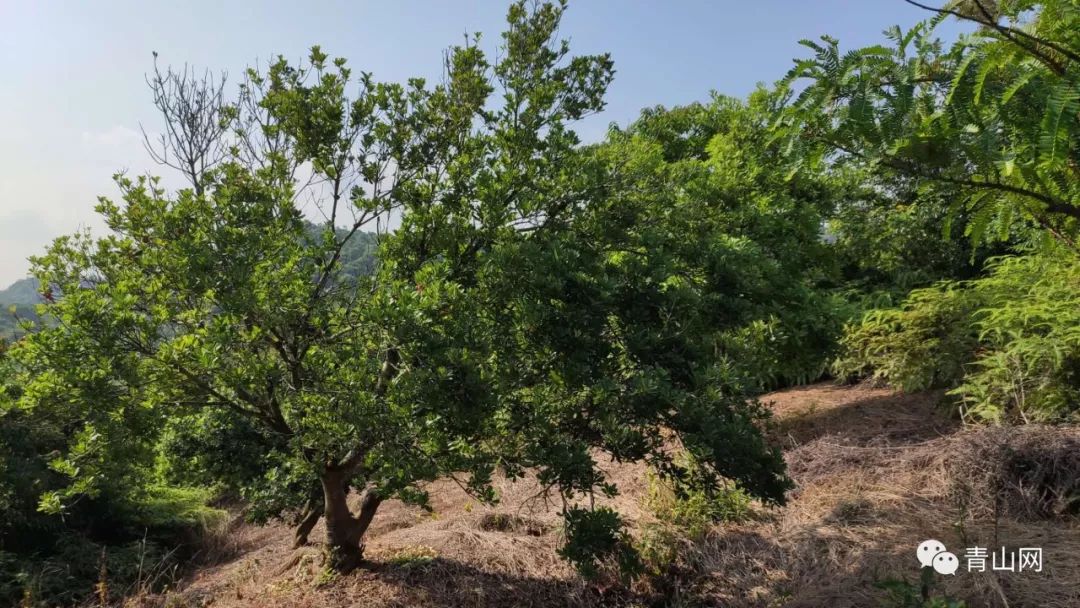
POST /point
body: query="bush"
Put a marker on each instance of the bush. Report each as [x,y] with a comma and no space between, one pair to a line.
[1008,344]
[597,545]
[790,346]
[921,344]
[74,568]
[1029,366]
[902,594]
[65,564]
[127,537]
[684,516]
[693,511]
[219,449]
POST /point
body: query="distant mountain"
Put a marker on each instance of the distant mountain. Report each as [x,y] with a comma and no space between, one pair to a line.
[358,258]
[24,291]
[23,295]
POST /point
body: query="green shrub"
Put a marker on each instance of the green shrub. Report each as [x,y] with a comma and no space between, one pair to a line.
[684,514]
[662,548]
[130,536]
[597,544]
[684,518]
[1028,368]
[693,511]
[1008,344]
[219,449]
[903,594]
[921,344]
[790,346]
[71,569]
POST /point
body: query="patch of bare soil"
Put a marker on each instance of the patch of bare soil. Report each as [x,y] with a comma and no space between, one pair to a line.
[877,473]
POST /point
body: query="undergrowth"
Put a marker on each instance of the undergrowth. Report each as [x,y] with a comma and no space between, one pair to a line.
[144,553]
[904,594]
[1007,344]
[684,519]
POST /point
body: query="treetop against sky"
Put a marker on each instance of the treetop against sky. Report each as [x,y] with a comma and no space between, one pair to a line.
[75,95]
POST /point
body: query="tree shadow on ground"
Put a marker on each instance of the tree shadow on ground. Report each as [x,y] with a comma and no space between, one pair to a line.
[446,582]
[879,419]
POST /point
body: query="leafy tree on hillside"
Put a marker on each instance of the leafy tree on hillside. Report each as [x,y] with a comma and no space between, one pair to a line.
[17,307]
[24,291]
[516,320]
[702,182]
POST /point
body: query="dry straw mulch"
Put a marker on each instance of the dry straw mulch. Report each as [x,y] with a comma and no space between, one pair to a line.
[876,472]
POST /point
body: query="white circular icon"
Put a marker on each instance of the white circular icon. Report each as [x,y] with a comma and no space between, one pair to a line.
[946,563]
[927,550]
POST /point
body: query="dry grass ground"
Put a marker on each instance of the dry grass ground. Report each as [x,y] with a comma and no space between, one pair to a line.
[876,473]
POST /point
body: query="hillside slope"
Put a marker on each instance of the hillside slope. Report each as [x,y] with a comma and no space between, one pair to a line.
[24,292]
[22,295]
[877,474]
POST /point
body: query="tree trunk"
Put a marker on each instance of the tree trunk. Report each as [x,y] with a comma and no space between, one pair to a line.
[344,532]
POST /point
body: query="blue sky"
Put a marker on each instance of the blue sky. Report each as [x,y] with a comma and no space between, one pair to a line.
[74,94]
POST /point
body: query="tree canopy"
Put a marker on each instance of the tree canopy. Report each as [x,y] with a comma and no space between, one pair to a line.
[521,317]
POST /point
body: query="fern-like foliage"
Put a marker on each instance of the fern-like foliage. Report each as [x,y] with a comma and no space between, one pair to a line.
[1028,366]
[1008,344]
[923,343]
[994,118]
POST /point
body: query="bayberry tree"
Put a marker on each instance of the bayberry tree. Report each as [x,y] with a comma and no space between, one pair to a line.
[515,320]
